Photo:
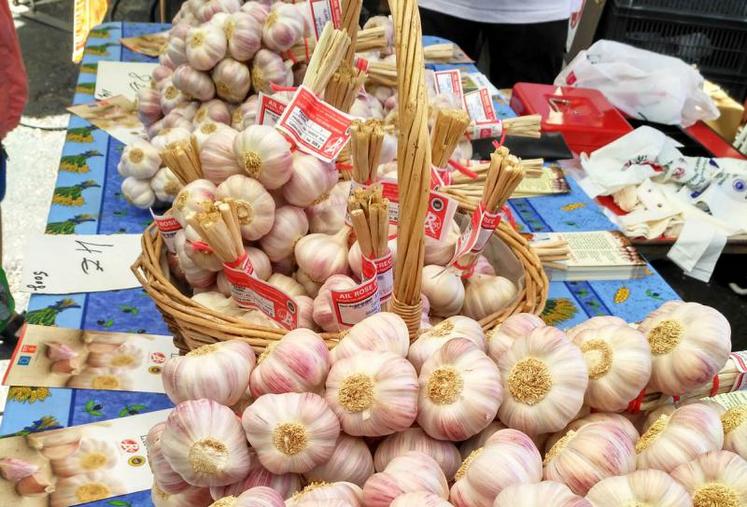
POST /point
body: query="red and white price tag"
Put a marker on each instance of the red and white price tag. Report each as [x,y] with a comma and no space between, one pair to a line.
[168,227]
[384,271]
[314,126]
[740,360]
[353,305]
[440,177]
[323,11]
[479,105]
[269,110]
[253,293]
[361,63]
[441,210]
[482,225]
[485,130]
[449,82]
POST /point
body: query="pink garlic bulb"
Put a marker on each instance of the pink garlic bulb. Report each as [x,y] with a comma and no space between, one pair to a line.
[203,130]
[214,110]
[232,80]
[246,113]
[286,284]
[444,290]
[594,323]
[176,49]
[500,338]
[419,499]
[483,266]
[373,393]
[196,276]
[217,156]
[195,249]
[168,136]
[138,192]
[432,339]
[310,179]
[460,391]
[244,34]
[264,154]
[541,494]
[171,97]
[194,83]
[596,417]
[288,227]
[260,496]
[305,307]
[354,255]
[444,452]
[285,484]
[323,255]
[164,476]
[328,216]
[486,295]
[286,266]
[267,68]
[381,332]
[351,462]
[408,473]
[256,209]
[203,442]
[260,262]
[174,120]
[291,432]
[283,27]
[644,487]
[219,371]
[326,494]
[716,478]
[206,46]
[508,457]
[149,106]
[441,252]
[299,363]
[165,61]
[139,160]
[324,314]
[257,10]
[215,8]
[477,441]
[192,496]
[193,198]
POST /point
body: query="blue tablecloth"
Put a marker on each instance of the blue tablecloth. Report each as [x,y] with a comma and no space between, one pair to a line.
[91,154]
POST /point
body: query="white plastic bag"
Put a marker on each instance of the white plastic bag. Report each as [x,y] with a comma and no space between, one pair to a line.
[643,84]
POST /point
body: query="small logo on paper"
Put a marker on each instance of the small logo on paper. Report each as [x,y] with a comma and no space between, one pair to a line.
[158,357]
[30,349]
[136,461]
[24,360]
[129,446]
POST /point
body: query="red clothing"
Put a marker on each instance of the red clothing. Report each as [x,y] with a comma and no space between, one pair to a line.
[13,88]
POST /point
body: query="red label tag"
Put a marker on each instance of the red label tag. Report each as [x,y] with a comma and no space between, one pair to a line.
[485,130]
[353,305]
[314,126]
[440,177]
[441,210]
[482,225]
[450,82]
[253,293]
[740,361]
[384,274]
[361,63]
[571,78]
[323,11]
[269,110]
[168,227]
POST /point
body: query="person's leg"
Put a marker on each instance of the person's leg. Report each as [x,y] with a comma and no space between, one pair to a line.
[464,33]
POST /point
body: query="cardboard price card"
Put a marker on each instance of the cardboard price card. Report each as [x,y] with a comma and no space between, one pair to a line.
[323,11]
[269,110]
[168,227]
[255,294]
[450,82]
[61,357]
[116,116]
[122,78]
[353,305]
[314,126]
[441,210]
[84,463]
[152,44]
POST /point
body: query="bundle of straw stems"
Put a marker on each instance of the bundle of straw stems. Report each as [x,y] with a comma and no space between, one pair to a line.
[351,13]
[327,55]
[368,39]
[183,159]
[365,143]
[219,227]
[414,162]
[369,212]
[552,252]
[382,73]
[442,52]
[523,126]
[447,130]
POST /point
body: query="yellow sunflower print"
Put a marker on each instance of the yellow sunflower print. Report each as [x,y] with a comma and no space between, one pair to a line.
[24,394]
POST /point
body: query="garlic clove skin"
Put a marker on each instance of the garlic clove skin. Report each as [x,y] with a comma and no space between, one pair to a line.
[350,462]
[485,295]
[244,34]
[245,114]
[14,469]
[596,417]
[475,442]
[381,332]
[689,344]
[734,422]
[255,206]
[260,496]
[431,340]
[444,290]
[34,485]
[419,499]
[323,255]
[299,363]
[232,80]
[203,442]
[415,439]
[544,379]
[139,160]
[323,494]
[264,154]
[84,488]
[164,476]
[483,266]
[460,391]
[194,248]
[205,46]
[305,312]
[408,473]
[191,497]
[283,27]
[644,487]
[690,431]
[594,323]
[169,135]
[288,227]
[373,393]
[269,68]
[217,156]
[257,10]
[328,215]
[285,484]
[508,457]
[138,193]
[57,351]
[715,478]
[541,494]
[218,371]
[291,432]
[193,83]
[213,110]
[286,284]
[500,338]
[310,179]
[149,106]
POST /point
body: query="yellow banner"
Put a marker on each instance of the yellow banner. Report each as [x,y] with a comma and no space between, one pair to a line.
[88,13]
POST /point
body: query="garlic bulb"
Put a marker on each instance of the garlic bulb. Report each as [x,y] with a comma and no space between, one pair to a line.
[619,364]
[354,255]
[508,457]
[217,156]
[441,252]
[594,323]
[257,10]
[139,160]
[138,193]
[215,11]
[215,110]
[485,295]
[84,488]
[381,332]
[200,253]
[415,439]
[167,136]
[323,313]
[460,391]
[444,290]
[171,98]
[644,487]
[193,274]
[283,27]
[219,303]
[734,421]
[232,80]
[219,371]
[718,478]
[256,209]
[244,34]
[291,432]
[305,312]
[165,185]
[541,494]
[432,339]
[288,227]
[323,494]
[167,479]
[483,266]
[408,473]
[285,484]
[149,106]
[328,215]
[545,378]
[419,499]
[323,255]
[594,452]
[161,73]
[245,114]
[299,363]
[203,442]
[193,198]
[477,441]
[373,393]
[174,120]
[596,417]
[193,497]
[689,344]
[310,179]
[350,462]
[269,68]
[261,496]
[194,83]
[286,284]
[260,262]
[310,286]
[264,154]
[690,431]
[206,45]
[500,338]
[287,265]
[204,130]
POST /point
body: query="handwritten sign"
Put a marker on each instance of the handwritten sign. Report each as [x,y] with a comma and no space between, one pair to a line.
[122,78]
[68,264]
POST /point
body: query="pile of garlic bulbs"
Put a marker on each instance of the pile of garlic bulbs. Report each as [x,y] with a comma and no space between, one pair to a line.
[450,419]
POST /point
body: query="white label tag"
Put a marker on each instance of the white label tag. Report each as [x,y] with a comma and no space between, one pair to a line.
[251,292]
[323,11]
[450,82]
[167,227]
[269,110]
[122,78]
[480,106]
[353,305]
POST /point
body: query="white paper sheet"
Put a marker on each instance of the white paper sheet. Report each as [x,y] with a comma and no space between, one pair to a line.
[122,78]
[68,264]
